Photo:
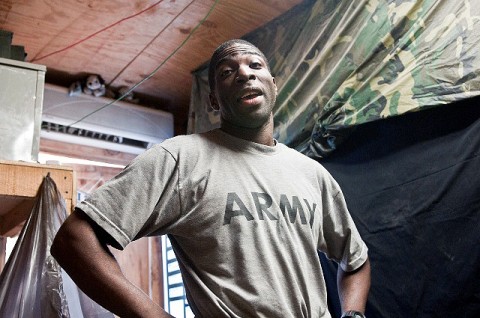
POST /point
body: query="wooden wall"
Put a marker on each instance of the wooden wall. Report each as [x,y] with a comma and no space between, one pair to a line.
[141,262]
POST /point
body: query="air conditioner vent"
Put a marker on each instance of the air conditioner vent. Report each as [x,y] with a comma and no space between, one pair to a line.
[95,135]
[87,120]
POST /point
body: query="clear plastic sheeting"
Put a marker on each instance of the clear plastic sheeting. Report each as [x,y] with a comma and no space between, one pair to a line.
[32,283]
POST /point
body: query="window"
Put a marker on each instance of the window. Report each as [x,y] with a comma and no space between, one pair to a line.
[175,299]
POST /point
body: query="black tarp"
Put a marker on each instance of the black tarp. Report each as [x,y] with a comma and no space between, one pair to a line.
[412,184]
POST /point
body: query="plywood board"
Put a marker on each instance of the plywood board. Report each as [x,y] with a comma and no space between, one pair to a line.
[19,185]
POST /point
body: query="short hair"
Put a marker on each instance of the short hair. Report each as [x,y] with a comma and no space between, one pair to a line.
[217,54]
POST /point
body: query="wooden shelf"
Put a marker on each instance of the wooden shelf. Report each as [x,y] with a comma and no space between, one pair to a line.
[19,185]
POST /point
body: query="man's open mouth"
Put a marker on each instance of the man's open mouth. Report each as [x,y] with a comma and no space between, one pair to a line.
[250,94]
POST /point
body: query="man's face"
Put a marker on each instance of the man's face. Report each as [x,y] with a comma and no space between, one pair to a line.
[245,91]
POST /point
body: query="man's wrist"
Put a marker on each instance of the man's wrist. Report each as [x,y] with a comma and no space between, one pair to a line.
[353,314]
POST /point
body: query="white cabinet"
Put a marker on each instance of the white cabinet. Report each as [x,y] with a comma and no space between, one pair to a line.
[21,103]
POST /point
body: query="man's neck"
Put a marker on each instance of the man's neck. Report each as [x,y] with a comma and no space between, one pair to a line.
[261,135]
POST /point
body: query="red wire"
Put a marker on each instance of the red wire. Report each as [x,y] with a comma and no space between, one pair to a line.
[92,35]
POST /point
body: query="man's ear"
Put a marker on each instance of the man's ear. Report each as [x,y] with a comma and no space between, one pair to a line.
[275,83]
[213,101]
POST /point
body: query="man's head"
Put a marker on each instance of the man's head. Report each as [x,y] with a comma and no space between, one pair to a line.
[220,52]
[241,85]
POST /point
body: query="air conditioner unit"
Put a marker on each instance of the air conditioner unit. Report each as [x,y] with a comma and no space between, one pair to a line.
[97,122]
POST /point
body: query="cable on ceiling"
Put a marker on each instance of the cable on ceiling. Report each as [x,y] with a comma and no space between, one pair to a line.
[156,69]
[148,44]
[94,34]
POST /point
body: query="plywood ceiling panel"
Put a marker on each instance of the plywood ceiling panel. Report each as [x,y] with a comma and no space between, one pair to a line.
[124,45]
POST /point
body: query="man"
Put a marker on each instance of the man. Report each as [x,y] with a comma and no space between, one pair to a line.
[245,214]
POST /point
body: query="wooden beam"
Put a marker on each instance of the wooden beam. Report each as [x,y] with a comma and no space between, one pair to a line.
[11,223]
[19,187]
[3,252]
[157,292]
[22,179]
[141,262]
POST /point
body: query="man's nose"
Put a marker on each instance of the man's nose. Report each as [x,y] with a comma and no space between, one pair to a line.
[244,74]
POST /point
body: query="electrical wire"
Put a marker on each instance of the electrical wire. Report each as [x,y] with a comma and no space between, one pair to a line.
[155,70]
[148,44]
[94,34]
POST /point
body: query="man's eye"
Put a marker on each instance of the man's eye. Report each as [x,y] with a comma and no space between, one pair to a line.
[256,65]
[225,72]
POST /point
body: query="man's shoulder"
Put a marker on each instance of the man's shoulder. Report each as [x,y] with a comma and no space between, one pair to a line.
[297,155]
[303,161]
[186,142]
[180,139]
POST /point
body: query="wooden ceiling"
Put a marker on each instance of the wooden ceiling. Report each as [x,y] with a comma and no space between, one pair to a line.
[125,41]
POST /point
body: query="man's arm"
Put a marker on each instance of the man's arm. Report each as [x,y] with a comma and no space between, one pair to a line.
[353,287]
[80,247]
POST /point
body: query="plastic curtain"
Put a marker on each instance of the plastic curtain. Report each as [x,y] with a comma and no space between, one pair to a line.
[32,284]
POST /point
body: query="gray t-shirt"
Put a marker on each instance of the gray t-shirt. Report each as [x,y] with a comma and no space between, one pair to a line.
[245,221]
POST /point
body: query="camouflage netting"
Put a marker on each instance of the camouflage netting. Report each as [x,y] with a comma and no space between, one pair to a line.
[339,64]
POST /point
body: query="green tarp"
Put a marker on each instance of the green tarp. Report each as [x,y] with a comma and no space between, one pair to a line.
[339,64]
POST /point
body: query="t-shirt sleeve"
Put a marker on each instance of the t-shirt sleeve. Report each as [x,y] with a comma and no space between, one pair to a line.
[139,200]
[339,238]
